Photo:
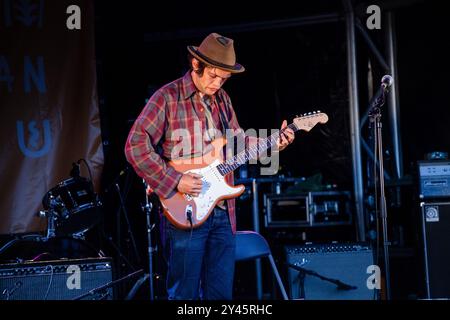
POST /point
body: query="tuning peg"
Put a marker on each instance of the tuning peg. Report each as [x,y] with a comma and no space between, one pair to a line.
[297,116]
[318,111]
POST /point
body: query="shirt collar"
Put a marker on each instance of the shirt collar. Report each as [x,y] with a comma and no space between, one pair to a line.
[189,88]
[188,85]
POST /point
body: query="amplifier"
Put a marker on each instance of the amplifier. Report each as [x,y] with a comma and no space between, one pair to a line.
[436,245]
[321,266]
[312,209]
[434,179]
[56,280]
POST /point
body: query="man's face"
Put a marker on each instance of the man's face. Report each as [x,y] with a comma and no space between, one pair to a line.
[212,80]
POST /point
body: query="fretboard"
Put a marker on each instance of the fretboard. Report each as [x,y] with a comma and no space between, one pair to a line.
[252,152]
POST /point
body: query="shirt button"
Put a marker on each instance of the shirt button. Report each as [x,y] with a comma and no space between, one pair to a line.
[201,109]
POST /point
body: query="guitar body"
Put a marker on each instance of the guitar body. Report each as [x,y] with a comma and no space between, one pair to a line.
[178,206]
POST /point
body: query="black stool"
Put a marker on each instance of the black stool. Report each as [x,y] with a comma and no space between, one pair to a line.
[252,245]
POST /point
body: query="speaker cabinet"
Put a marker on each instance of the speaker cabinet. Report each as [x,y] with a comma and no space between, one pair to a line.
[436,248]
[344,264]
[56,280]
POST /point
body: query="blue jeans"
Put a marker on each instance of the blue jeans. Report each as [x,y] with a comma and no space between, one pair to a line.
[201,264]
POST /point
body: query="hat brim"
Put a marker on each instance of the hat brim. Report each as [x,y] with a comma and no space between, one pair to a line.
[237,68]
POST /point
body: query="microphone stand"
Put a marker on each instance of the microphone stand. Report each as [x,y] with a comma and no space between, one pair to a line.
[303,272]
[147,208]
[375,121]
[102,289]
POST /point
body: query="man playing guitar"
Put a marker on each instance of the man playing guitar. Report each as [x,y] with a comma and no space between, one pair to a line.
[200,244]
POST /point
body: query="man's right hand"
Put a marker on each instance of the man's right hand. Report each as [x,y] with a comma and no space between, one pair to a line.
[190,183]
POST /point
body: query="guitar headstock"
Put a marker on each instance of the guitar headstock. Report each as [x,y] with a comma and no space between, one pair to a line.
[309,120]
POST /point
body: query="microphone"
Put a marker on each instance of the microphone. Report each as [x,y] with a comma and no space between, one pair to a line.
[114,182]
[386,82]
[296,267]
[75,172]
[378,99]
[344,286]
[122,172]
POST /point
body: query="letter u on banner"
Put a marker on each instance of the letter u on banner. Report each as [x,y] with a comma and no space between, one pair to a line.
[34,138]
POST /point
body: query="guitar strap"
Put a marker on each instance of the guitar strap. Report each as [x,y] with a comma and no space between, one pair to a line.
[224,122]
[223,118]
[209,119]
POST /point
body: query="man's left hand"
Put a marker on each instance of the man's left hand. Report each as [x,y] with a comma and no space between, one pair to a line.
[286,137]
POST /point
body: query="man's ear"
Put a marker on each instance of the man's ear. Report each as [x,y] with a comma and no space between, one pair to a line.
[195,64]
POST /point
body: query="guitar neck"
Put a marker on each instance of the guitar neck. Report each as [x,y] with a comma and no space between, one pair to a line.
[252,152]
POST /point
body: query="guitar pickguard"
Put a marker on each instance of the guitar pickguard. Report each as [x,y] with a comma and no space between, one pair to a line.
[214,187]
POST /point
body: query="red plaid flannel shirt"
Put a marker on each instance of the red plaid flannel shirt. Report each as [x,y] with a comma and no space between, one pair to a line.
[150,141]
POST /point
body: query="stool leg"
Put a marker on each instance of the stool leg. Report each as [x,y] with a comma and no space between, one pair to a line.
[277,275]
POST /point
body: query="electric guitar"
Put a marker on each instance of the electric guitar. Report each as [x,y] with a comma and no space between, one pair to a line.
[185,211]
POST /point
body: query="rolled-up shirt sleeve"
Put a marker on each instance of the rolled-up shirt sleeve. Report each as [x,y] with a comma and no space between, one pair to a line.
[140,148]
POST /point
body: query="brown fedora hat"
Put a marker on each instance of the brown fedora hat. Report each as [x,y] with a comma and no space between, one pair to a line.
[217,51]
